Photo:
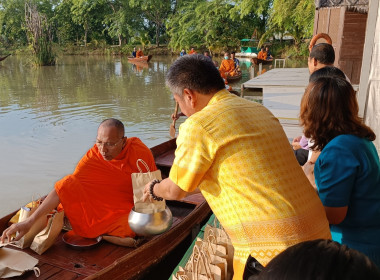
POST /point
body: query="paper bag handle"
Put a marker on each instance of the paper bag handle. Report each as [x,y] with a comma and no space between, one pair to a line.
[144,163]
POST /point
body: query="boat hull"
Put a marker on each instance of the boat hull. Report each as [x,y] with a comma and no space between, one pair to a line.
[258,61]
[146,58]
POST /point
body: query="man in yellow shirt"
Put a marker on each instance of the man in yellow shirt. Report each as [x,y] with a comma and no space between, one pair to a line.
[237,154]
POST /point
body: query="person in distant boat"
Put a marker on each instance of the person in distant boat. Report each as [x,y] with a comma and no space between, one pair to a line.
[262,54]
[98,196]
[236,153]
[269,54]
[139,53]
[182,53]
[347,171]
[320,259]
[134,52]
[227,66]
[236,61]
[192,51]
[207,54]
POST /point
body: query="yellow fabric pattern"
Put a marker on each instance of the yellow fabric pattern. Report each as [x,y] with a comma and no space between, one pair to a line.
[238,155]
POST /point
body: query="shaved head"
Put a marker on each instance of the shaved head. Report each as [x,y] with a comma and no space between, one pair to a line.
[113,123]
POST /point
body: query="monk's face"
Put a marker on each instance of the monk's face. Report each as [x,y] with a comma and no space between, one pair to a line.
[109,142]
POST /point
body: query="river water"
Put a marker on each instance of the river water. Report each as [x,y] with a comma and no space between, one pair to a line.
[49,115]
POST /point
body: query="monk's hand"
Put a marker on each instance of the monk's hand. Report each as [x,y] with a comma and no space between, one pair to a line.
[146,193]
[21,228]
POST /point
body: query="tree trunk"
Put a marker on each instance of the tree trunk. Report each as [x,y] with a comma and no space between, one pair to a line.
[120,40]
[157,34]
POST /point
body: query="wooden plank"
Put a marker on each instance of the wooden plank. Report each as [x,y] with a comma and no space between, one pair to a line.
[282,77]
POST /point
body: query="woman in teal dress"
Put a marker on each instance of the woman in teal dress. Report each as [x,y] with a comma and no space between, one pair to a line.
[347,172]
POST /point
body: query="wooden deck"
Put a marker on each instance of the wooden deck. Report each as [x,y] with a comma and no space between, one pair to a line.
[282,90]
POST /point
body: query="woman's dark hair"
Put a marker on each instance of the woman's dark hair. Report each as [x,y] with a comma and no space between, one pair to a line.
[320,259]
[329,108]
[327,71]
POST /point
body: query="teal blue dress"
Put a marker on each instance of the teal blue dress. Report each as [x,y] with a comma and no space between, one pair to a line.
[347,173]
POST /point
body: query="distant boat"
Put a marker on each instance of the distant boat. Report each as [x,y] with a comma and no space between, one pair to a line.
[258,61]
[4,57]
[145,58]
[232,79]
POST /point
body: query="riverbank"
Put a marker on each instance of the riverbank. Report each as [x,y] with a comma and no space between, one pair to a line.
[278,49]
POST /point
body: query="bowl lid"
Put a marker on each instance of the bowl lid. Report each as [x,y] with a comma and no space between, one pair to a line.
[72,239]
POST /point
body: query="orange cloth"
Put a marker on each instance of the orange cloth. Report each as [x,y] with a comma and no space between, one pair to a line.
[227,66]
[139,54]
[262,55]
[192,52]
[98,196]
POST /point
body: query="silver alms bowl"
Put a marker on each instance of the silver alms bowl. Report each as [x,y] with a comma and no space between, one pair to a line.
[150,224]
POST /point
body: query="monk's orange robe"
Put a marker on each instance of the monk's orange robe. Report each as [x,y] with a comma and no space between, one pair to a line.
[262,55]
[227,66]
[139,54]
[98,196]
[192,52]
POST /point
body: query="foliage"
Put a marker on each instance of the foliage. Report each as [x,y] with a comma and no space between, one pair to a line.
[40,34]
[215,25]
[156,11]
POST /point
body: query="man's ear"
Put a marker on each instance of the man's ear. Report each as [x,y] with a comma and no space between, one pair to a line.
[190,96]
[315,62]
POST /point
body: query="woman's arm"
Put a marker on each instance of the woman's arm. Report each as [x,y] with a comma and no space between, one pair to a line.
[336,215]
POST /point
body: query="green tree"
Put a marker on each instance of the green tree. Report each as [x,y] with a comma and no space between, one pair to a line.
[124,20]
[156,11]
[293,17]
[12,20]
[207,24]
[90,15]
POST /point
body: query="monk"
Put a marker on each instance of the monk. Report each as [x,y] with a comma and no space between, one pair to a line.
[227,66]
[98,196]
[262,54]
[139,53]
[192,51]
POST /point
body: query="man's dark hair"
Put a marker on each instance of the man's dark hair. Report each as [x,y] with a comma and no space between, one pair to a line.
[114,122]
[324,53]
[233,52]
[195,72]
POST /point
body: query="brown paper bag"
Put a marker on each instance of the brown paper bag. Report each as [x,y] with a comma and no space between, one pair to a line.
[218,236]
[27,239]
[15,263]
[46,238]
[139,180]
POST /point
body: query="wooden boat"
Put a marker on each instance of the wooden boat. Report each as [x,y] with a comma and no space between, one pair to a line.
[4,57]
[146,58]
[108,261]
[258,61]
[235,78]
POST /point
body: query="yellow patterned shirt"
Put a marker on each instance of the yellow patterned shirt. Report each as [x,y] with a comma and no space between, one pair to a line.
[238,155]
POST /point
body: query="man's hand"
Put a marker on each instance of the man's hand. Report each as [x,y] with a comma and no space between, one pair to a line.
[146,193]
[296,143]
[22,229]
